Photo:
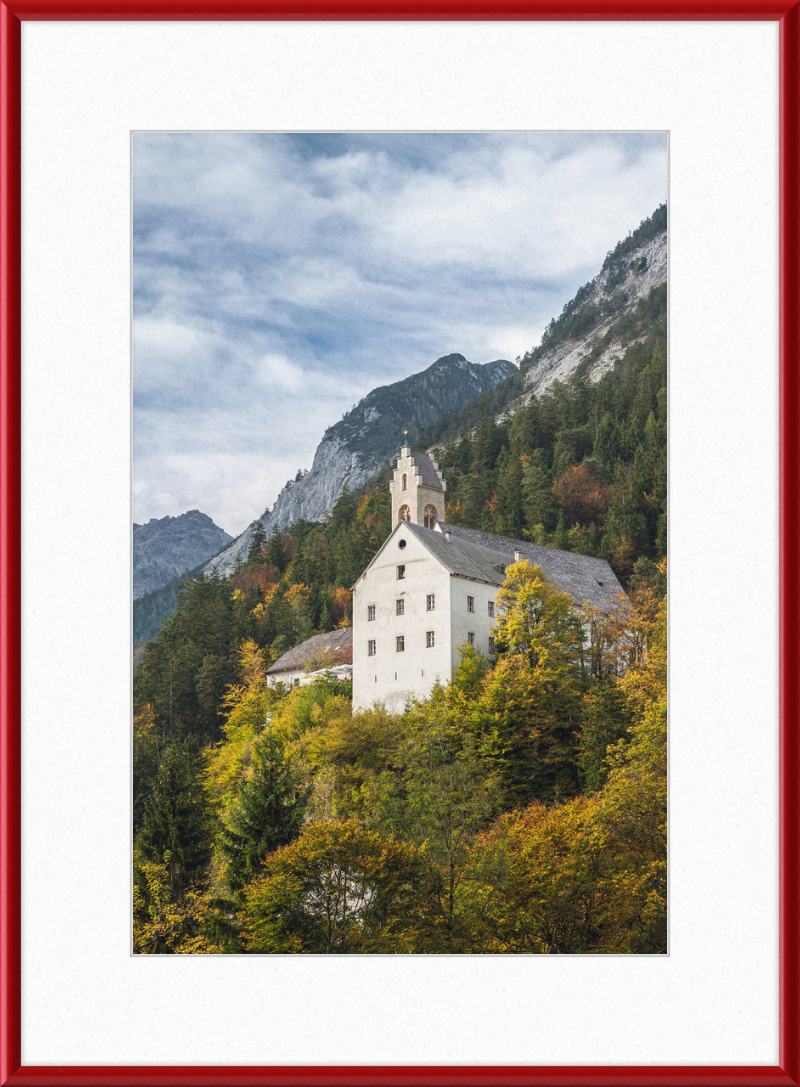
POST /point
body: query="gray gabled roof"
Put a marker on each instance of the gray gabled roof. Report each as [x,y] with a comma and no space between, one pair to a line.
[463,558]
[339,642]
[482,556]
[427,473]
[586,579]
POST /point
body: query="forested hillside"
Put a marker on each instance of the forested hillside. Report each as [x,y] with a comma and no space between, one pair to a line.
[522,808]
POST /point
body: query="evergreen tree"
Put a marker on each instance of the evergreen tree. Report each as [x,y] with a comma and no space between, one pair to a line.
[276,554]
[257,542]
[607,443]
[606,720]
[174,827]
[267,813]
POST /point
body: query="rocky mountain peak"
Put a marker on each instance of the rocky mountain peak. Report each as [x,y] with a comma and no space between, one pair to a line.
[168,546]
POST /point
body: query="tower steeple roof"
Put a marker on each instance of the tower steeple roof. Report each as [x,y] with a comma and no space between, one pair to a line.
[429,473]
[417,489]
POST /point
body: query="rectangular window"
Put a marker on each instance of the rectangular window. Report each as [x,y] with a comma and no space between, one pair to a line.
[297,683]
[431,599]
[470,639]
[370,613]
[401,645]
[491,609]
[370,649]
[400,607]
[491,645]
[429,639]
[470,603]
[401,572]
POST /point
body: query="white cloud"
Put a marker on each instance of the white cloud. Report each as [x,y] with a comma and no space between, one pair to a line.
[276,372]
[165,338]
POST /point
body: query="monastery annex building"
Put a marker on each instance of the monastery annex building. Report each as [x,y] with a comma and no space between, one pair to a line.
[431,588]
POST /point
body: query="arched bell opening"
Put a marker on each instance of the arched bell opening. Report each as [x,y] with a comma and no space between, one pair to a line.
[430,517]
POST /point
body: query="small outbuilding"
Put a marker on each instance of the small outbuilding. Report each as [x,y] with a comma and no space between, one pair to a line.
[330,652]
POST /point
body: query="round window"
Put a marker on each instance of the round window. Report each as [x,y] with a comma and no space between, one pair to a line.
[401,543]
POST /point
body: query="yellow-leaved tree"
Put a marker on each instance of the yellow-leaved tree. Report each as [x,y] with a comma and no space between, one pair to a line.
[165,923]
[247,705]
[537,620]
[527,712]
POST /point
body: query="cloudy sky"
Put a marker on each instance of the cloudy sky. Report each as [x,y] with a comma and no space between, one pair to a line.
[278,278]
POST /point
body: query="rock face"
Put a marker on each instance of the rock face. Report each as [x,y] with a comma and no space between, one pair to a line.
[617,289]
[356,448]
[168,546]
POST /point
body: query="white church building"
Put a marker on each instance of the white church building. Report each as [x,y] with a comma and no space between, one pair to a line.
[432,586]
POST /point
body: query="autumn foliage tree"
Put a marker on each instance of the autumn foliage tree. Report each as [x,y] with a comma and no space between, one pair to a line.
[537,621]
[338,889]
[583,498]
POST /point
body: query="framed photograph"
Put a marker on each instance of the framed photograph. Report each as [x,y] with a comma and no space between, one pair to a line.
[98,105]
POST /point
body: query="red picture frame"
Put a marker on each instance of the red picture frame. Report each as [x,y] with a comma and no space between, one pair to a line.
[11,15]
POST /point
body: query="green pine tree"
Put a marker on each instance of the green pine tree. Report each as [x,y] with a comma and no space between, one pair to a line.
[175,818]
[257,542]
[267,813]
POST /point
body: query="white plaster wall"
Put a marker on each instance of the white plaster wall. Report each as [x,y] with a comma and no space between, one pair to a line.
[417,667]
[463,621]
[288,677]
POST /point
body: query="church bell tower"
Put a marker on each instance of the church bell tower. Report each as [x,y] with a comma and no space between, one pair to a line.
[417,489]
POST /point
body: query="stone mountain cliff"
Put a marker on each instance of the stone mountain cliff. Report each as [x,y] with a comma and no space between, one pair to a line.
[356,448]
[610,296]
[607,314]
